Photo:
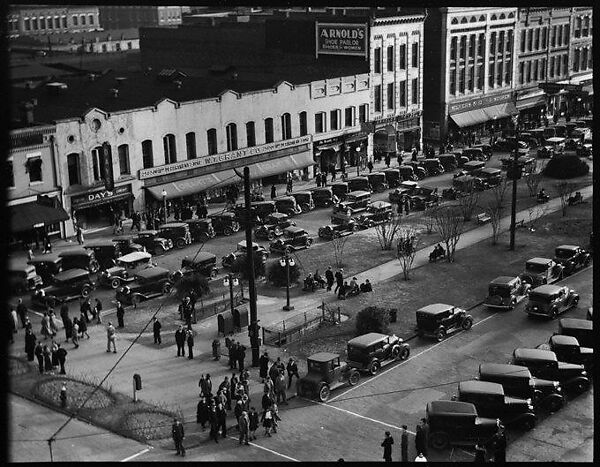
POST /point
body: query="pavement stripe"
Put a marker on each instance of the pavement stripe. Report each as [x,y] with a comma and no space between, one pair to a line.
[143,451]
[267,449]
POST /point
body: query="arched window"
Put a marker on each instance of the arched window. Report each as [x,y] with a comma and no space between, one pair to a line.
[268,130]
[190,145]
[211,139]
[302,117]
[250,134]
[454,21]
[502,16]
[231,132]
[494,18]
[464,21]
[123,151]
[170,149]
[473,19]
[147,154]
[97,164]
[286,126]
[73,168]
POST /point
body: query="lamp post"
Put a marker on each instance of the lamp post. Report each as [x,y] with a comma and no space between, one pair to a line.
[515,162]
[286,262]
[164,195]
[230,281]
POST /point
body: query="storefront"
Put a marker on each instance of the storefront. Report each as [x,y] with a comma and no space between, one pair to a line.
[396,134]
[97,208]
[532,108]
[408,131]
[30,222]
[347,150]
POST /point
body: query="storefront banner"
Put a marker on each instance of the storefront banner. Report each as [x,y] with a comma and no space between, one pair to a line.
[223,157]
[100,197]
[341,39]
[479,103]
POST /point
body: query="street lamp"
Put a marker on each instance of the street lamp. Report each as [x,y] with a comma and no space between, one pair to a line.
[164,195]
[286,262]
[230,281]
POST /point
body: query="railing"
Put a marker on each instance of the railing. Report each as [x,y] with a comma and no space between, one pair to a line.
[220,306]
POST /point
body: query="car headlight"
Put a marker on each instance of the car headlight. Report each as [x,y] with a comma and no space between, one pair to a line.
[583,373]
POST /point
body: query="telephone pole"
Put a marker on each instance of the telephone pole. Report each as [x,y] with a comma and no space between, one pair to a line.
[516,170]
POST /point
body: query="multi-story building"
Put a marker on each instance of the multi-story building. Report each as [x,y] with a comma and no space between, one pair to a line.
[135,16]
[581,101]
[42,20]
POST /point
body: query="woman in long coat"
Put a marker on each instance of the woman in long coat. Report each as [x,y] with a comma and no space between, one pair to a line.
[45,330]
[47,359]
[202,413]
[30,341]
[53,323]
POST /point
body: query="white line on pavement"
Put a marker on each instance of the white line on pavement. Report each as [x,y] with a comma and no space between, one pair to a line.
[144,451]
[268,450]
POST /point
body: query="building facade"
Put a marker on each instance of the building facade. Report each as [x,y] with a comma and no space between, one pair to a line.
[130,16]
[42,20]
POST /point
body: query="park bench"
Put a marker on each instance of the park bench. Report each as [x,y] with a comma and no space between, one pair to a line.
[483,218]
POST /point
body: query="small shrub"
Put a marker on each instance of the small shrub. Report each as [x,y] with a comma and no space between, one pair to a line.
[372,319]
[240,266]
[566,166]
[196,282]
[277,275]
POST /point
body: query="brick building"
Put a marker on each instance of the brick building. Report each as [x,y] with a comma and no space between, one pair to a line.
[42,20]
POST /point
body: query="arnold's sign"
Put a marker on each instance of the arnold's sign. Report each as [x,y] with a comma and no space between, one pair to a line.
[341,39]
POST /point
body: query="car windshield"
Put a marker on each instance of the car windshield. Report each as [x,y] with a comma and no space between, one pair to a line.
[501,290]
[563,253]
[536,268]
[314,366]
[540,298]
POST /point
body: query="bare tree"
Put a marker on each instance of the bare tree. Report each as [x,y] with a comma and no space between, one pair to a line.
[387,231]
[565,190]
[495,208]
[338,249]
[468,203]
[534,177]
[536,213]
[407,249]
[449,222]
[428,219]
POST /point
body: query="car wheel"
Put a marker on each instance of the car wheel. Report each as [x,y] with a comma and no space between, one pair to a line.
[439,440]
[159,250]
[324,392]
[94,266]
[214,273]
[271,236]
[336,234]
[440,334]
[575,301]
[467,323]
[354,227]
[115,283]
[528,424]
[581,386]
[166,288]
[227,231]
[554,313]
[354,377]
[85,291]
[554,404]
[374,367]
[404,353]
[305,207]
[179,243]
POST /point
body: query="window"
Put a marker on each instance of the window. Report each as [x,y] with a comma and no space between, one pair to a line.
[537,39]
[147,154]
[34,24]
[170,149]
[82,17]
[558,66]
[363,112]
[42,23]
[590,55]
[463,47]
[286,126]
[75,20]
[349,116]
[534,72]
[529,40]
[493,44]
[499,73]
[27,24]
[415,55]
[377,60]
[565,64]
[452,49]
[509,41]
[461,80]
[576,58]
[508,72]
[49,22]
[559,39]
[97,164]
[250,134]
[491,75]
[320,122]
[390,96]
[544,32]
[190,145]
[480,76]
[500,42]
[553,40]
[129,46]
[334,120]
[91,19]
[521,72]
[231,134]
[481,48]
[415,91]
[34,168]
[586,26]
[523,39]
[402,89]
[528,72]
[10,174]
[377,97]
[403,55]
[578,26]
[268,130]
[551,67]
[123,151]
[566,36]
[452,82]
[472,47]
[303,123]
[584,58]
[64,21]
[211,140]
[390,58]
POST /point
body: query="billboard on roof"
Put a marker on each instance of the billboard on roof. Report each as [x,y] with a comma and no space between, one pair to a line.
[341,39]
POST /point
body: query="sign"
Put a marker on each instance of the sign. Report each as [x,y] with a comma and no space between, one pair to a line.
[223,157]
[341,39]
[100,197]
[485,101]
[553,88]
[109,180]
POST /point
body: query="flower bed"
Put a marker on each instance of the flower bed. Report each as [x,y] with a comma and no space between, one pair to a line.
[48,390]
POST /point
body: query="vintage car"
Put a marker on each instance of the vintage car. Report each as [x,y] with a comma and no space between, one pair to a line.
[486,148]
[468,183]
[454,423]
[340,190]
[491,402]
[490,176]
[505,292]
[433,166]
[406,188]
[79,258]
[407,173]
[377,212]
[201,230]
[545,152]
[423,197]
[373,350]
[439,319]
[105,252]
[356,201]
[65,286]
[525,162]
[177,232]
[47,266]
[125,268]
[544,364]
[331,231]
[304,199]
[378,182]
[550,301]
[508,143]
[567,349]
[225,223]
[273,227]
[571,257]
[325,373]
[153,242]
[539,271]
[359,184]
[557,143]
[580,328]
[204,263]
[126,244]
[241,250]
[475,154]
[392,177]
[259,210]
[449,162]
[21,277]
[472,166]
[518,381]
[287,205]
[420,171]
[322,196]
[294,238]
[585,150]
[148,283]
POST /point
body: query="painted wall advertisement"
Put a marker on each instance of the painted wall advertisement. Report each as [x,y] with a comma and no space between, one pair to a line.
[341,39]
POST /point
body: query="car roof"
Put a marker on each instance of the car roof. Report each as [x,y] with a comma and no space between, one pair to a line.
[339,184]
[390,169]
[362,177]
[409,183]
[575,323]
[259,203]
[450,408]
[435,308]
[447,154]
[380,204]
[303,192]
[98,243]
[542,261]
[49,258]
[503,280]
[321,188]
[547,289]
[367,339]
[555,139]
[490,170]
[198,221]
[135,256]
[71,274]
[323,357]
[480,387]
[283,198]
[431,159]
[405,167]
[148,232]
[223,214]
[380,173]
[464,178]
[201,256]
[358,193]
[278,214]
[170,225]
[534,354]
[293,229]
[152,272]
[75,252]
[124,237]
[474,163]
[504,369]
[244,245]
[567,247]
[561,339]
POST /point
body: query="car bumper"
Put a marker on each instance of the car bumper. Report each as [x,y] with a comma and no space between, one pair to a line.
[545,314]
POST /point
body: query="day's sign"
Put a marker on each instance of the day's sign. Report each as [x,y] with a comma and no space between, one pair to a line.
[341,39]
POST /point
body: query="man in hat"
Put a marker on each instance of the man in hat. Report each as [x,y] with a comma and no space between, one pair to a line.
[178,435]
[387,446]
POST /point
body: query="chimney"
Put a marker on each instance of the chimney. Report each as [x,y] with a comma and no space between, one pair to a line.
[26,112]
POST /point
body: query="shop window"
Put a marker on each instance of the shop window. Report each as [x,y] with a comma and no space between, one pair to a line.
[320,122]
[10,174]
[576,58]
[334,120]
[390,58]
[170,149]
[403,55]
[390,96]
[97,164]
[123,151]
[415,55]
[415,91]
[363,113]
[452,49]
[402,90]
[147,154]
[250,134]
[377,96]
[377,60]
[211,139]
[190,145]
[302,117]
[349,116]
[268,130]
[231,135]
[286,126]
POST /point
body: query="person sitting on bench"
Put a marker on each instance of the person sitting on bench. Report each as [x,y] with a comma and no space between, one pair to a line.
[542,196]
[366,286]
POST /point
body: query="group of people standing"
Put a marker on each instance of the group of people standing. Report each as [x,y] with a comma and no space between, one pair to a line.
[420,443]
[342,287]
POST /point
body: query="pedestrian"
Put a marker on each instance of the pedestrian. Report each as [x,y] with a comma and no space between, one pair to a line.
[156,330]
[178,435]
[45,330]
[121,314]
[292,370]
[180,341]
[329,278]
[79,235]
[263,364]
[237,412]
[30,344]
[244,427]
[39,354]
[22,311]
[12,327]
[267,421]
[83,326]
[404,444]
[421,438]
[75,333]
[53,323]
[267,400]
[420,458]
[388,159]
[190,344]
[202,413]
[233,355]
[202,386]
[241,354]
[213,423]
[53,356]
[64,312]
[273,191]
[387,446]
[47,358]
[370,166]
[253,423]
[208,386]
[98,311]
[47,245]
[274,370]
[221,420]
[14,319]
[339,279]
[276,417]
[342,291]
[30,254]
[61,355]
[86,308]
[225,386]
[280,388]
[111,336]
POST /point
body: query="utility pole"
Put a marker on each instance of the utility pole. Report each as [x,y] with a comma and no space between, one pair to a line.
[516,176]
[253,327]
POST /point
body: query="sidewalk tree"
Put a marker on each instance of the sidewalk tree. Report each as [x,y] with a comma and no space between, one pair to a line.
[240,265]
[278,277]
[534,177]
[449,223]
[468,203]
[387,231]
[407,249]
[428,219]
[565,191]
[196,282]
[372,319]
[338,249]
[495,208]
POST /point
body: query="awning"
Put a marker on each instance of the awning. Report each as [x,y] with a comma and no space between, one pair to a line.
[589,89]
[472,117]
[501,110]
[332,146]
[530,102]
[263,169]
[28,216]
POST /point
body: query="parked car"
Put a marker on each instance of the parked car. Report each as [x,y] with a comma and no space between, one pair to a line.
[505,292]
[22,277]
[472,166]
[454,423]
[567,349]
[449,162]
[294,239]
[439,319]
[153,242]
[378,182]
[371,351]
[419,171]
[491,402]
[79,258]
[149,283]
[65,286]
[377,212]
[550,301]
[359,184]
[322,196]
[259,209]
[467,183]
[423,197]
[331,231]
[475,154]
[579,328]
[486,149]
[325,373]
[273,227]
[392,177]
[571,257]
[125,269]
[544,364]
[539,271]
[406,188]
[304,199]
[287,205]
[241,250]
[105,252]
[225,223]
[177,232]
[508,143]
[433,166]
[340,189]
[585,150]
[47,266]
[518,381]
[490,176]
[545,152]
[204,263]
[356,201]
[201,230]
[407,173]
[127,244]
